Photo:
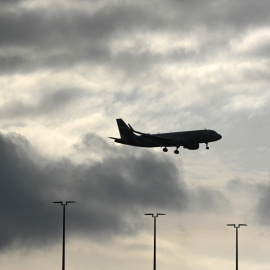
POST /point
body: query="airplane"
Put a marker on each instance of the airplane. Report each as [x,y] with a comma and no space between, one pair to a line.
[187,139]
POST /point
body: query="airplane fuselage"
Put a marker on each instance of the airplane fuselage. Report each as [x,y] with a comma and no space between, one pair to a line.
[176,138]
[186,139]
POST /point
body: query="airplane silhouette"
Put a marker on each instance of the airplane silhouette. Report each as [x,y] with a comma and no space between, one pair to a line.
[187,139]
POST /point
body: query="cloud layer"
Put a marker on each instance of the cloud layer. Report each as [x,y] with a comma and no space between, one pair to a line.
[71,67]
[117,189]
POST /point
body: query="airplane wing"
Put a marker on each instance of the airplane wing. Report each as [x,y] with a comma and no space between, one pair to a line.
[158,139]
[155,138]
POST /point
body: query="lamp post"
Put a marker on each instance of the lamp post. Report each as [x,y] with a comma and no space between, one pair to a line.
[64,229]
[155,216]
[236,227]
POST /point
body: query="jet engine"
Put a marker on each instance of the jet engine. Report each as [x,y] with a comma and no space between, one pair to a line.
[192,146]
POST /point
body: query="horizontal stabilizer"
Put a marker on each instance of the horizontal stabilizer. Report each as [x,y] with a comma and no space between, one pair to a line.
[113,138]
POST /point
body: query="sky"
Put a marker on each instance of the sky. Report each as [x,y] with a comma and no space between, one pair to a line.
[69,68]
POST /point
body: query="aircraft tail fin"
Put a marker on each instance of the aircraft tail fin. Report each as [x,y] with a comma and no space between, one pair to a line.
[124,130]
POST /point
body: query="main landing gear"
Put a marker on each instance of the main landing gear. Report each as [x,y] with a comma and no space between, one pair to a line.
[207,147]
[176,151]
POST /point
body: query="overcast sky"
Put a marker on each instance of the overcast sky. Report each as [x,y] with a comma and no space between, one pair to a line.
[69,68]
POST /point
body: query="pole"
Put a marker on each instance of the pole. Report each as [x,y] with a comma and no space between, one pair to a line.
[154,242]
[236,263]
[155,234]
[64,236]
[236,238]
[64,230]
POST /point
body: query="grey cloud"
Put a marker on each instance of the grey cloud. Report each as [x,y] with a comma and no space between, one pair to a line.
[248,145]
[21,189]
[218,14]
[258,193]
[45,104]
[49,27]
[15,63]
[262,51]
[207,199]
[110,195]
[58,38]
[10,2]
[24,29]
[247,13]
[113,190]
[263,205]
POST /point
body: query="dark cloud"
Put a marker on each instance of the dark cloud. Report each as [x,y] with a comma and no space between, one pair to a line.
[46,104]
[207,199]
[16,63]
[10,2]
[263,204]
[255,192]
[245,141]
[22,202]
[54,28]
[113,190]
[262,51]
[220,14]
[62,37]
[24,29]
[56,39]
[110,195]
[246,13]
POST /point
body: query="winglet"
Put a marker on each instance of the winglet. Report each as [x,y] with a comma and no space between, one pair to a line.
[131,128]
[135,131]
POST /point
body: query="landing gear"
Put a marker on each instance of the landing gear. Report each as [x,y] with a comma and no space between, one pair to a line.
[207,147]
[176,151]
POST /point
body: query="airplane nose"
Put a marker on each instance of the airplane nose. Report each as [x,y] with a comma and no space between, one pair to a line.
[219,136]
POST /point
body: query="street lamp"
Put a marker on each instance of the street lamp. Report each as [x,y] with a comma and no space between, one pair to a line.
[236,227]
[155,216]
[64,225]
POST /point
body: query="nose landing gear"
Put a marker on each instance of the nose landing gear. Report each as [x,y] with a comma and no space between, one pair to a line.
[165,149]
[207,147]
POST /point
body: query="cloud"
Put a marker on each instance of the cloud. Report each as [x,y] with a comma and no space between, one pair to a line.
[113,190]
[207,199]
[110,194]
[252,42]
[10,2]
[46,104]
[263,204]
[215,14]
[67,35]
